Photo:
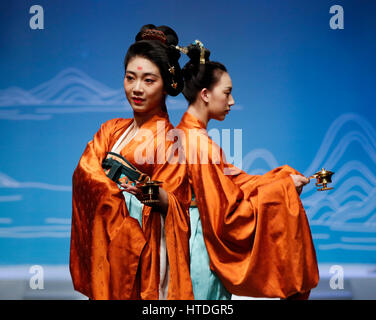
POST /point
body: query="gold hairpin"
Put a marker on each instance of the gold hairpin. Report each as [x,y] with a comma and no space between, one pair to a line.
[171,70]
[182,49]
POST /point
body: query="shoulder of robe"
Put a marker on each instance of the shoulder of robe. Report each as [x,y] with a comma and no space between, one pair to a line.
[116,122]
[112,125]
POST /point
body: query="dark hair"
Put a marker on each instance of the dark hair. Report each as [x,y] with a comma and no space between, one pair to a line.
[198,76]
[164,55]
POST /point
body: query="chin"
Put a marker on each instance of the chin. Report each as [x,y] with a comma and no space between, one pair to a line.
[139,109]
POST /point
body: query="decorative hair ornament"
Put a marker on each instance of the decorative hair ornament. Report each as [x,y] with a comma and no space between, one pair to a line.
[171,70]
[202,50]
[198,43]
[174,84]
[153,34]
[182,49]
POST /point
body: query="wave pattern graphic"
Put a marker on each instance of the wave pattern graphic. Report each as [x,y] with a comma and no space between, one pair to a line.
[8,182]
[256,154]
[69,87]
[53,228]
[17,115]
[43,231]
[70,91]
[12,198]
[346,216]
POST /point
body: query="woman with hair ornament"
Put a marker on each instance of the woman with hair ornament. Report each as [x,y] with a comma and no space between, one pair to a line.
[249,234]
[121,246]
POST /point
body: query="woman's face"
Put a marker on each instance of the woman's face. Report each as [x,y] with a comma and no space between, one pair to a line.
[220,99]
[143,86]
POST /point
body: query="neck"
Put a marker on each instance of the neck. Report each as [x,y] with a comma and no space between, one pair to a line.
[140,117]
[200,112]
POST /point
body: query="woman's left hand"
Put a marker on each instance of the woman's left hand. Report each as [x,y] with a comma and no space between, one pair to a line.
[137,192]
[299,181]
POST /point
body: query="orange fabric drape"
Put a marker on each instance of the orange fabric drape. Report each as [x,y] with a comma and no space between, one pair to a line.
[255,227]
[111,256]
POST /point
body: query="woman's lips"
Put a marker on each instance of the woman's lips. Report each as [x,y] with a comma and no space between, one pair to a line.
[138,100]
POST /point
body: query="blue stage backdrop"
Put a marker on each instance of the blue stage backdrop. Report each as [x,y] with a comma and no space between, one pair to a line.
[304,86]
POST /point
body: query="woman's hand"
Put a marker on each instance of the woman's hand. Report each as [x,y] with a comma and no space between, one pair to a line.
[137,192]
[299,181]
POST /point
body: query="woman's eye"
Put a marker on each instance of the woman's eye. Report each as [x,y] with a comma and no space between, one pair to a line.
[149,80]
[129,78]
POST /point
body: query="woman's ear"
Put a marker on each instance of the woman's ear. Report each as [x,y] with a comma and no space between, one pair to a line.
[205,94]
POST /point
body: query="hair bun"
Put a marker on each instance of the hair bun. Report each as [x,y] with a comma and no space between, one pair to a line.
[192,67]
[194,53]
[162,33]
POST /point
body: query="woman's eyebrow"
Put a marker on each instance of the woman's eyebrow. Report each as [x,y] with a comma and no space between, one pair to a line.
[143,74]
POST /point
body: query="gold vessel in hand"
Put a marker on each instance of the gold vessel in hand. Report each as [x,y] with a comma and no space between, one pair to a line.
[150,192]
[323,177]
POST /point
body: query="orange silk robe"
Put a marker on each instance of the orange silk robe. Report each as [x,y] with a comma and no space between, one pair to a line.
[111,256]
[255,228]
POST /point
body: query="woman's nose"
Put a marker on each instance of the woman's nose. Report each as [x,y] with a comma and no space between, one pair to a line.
[231,101]
[138,87]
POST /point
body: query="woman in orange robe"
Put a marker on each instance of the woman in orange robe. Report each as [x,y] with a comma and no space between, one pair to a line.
[254,228]
[121,248]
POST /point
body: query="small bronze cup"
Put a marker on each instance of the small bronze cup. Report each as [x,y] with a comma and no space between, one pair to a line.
[150,192]
[323,177]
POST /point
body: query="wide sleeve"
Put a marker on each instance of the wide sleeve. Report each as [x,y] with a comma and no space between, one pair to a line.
[105,242]
[283,252]
[243,180]
[256,233]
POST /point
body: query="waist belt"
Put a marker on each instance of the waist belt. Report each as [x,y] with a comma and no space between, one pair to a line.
[115,165]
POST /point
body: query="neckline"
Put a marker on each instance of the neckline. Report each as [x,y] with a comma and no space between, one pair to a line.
[161,115]
[190,118]
[122,137]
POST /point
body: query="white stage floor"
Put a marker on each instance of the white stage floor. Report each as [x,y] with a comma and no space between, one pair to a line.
[16,283]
